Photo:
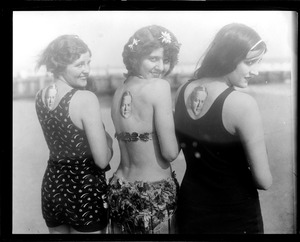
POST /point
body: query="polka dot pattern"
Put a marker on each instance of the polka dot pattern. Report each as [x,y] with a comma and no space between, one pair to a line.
[74,189]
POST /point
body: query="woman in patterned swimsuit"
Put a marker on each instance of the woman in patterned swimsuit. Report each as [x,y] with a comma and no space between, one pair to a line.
[74,188]
[143,190]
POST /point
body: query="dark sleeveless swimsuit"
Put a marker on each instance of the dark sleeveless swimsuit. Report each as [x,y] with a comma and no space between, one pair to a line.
[217,194]
[74,189]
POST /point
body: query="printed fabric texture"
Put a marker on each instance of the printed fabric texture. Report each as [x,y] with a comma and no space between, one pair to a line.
[131,137]
[143,207]
[74,189]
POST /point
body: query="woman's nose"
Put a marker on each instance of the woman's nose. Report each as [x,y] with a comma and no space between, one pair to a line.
[159,65]
[86,68]
[254,72]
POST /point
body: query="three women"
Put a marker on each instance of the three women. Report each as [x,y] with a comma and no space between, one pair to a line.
[218,128]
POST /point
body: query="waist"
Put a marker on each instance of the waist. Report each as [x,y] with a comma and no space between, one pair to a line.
[117,178]
[145,174]
[75,164]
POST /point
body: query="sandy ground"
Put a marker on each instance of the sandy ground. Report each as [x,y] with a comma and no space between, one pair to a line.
[30,155]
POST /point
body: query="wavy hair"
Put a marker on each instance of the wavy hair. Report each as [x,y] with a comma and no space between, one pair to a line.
[62,51]
[229,47]
[144,41]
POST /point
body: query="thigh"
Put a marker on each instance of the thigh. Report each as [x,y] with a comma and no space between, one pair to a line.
[74,231]
[61,229]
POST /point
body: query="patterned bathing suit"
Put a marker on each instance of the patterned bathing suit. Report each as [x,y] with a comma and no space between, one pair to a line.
[74,189]
[134,136]
[142,207]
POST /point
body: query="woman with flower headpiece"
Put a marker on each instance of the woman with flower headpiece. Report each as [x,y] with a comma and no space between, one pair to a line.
[143,190]
[74,187]
[223,141]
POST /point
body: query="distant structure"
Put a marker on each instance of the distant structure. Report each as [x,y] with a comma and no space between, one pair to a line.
[106,81]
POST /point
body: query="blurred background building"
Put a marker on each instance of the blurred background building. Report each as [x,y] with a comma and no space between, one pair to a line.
[106,33]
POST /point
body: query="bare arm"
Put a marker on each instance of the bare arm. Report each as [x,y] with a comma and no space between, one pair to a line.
[99,140]
[164,121]
[250,128]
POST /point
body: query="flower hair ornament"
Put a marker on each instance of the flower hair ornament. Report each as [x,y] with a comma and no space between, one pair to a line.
[165,37]
[134,42]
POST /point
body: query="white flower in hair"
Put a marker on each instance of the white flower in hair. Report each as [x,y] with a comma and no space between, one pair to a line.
[134,42]
[166,37]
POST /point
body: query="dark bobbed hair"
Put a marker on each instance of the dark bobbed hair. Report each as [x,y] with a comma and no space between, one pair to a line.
[229,47]
[149,38]
[62,51]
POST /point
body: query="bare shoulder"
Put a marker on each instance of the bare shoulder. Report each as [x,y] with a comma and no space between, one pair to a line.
[157,90]
[85,94]
[240,103]
[157,86]
[84,97]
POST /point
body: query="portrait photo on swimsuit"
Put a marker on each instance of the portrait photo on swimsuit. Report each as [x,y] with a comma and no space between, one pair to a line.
[126,107]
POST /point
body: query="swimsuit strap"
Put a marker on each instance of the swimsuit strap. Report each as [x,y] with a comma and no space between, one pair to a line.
[134,136]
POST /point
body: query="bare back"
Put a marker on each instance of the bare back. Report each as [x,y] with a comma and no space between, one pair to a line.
[142,159]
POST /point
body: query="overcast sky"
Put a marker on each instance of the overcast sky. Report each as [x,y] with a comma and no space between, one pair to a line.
[106,32]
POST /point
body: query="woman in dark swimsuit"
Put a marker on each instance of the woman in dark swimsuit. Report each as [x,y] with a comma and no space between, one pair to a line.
[74,189]
[143,190]
[221,135]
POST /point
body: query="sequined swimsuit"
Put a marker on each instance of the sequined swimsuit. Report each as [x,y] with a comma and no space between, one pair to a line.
[74,189]
[143,207]
[134,136]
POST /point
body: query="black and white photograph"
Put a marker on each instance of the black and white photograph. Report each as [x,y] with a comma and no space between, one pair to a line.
[154,122]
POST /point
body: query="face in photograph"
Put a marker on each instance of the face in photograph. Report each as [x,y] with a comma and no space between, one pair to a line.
[126,105]
[198,97]
[50,96]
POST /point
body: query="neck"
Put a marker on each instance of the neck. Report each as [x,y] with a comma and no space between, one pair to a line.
[62,82]
[224,80]
[62,85]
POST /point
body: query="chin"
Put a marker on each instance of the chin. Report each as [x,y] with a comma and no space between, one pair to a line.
[242,85]
[245,85]
[83,84]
